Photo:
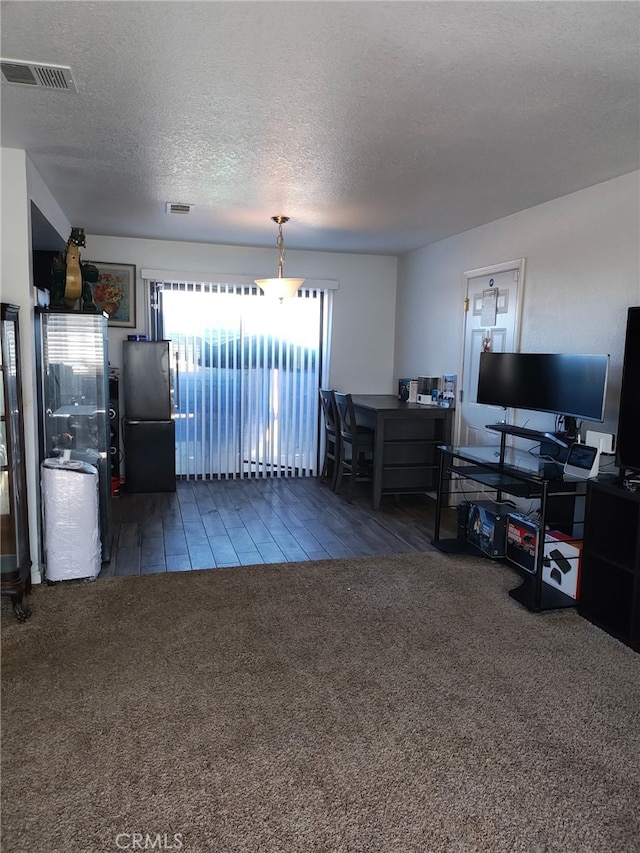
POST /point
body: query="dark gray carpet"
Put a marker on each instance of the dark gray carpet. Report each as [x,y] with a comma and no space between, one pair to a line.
[390,704]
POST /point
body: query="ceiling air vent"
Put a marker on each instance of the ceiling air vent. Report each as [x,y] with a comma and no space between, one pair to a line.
[177,207]
[57,77]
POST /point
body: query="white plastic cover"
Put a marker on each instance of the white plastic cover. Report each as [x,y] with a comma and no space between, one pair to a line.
[71,519]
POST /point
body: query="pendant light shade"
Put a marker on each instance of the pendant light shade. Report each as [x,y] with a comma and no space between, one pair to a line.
[280,287]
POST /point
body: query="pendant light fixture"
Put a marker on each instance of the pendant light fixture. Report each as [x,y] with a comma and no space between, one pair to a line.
[280,287]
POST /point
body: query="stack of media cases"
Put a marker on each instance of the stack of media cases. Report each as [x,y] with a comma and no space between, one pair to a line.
[500,532]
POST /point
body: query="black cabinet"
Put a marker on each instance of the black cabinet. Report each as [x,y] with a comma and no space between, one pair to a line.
[610,583]
[150,461]
[15,557]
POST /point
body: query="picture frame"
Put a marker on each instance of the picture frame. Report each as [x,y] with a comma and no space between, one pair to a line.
[115,292]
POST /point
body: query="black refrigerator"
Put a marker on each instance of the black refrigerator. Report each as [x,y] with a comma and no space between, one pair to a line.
[149,429]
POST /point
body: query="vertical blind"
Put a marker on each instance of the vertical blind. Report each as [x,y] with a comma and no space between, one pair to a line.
[248,369]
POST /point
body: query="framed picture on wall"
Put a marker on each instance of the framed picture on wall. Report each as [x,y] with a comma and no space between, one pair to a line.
[115,292]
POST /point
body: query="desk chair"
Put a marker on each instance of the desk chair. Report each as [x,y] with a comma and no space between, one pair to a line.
[331,437]
[356,445]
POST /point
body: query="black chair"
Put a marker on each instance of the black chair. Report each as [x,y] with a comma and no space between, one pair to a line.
[331,437]
[356,445]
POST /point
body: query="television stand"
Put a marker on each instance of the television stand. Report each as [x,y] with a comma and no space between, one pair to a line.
[489,467]
[531,434]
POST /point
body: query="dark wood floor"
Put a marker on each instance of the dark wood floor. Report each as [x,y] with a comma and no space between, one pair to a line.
[217,523]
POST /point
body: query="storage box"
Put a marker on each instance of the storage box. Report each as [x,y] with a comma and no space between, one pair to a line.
[562,562]
[408,390]
[522,541]
[487,527]
[404,389]
[448,388]
[426,400]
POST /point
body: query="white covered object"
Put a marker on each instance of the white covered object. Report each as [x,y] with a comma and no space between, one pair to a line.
[71,519]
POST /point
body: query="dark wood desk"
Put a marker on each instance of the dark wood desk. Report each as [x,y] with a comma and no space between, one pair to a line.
[406,442]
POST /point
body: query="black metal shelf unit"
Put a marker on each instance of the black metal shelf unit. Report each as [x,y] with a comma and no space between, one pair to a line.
[487,466]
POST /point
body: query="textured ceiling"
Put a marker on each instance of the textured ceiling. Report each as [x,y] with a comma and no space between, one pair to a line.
[376,126]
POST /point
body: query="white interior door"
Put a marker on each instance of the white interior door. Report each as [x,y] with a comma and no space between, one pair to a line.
[492,323]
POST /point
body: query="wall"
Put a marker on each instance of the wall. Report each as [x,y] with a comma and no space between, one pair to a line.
[21,185]
[582,272]
[364,305]
[40,195]
[16,244]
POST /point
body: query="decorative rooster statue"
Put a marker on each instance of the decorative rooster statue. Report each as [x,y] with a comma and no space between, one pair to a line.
[70,278]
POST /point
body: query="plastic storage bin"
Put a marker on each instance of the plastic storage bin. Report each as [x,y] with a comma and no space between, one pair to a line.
[70,500]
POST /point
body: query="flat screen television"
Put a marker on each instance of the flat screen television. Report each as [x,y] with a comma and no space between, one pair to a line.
[628,443]
[573,386]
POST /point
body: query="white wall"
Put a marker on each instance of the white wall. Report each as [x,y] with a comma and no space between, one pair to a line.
[362,343]
[582,272]
[41,196]
[21,185]
[16,237]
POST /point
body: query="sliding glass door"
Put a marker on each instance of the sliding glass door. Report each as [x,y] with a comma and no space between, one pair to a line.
[248,372]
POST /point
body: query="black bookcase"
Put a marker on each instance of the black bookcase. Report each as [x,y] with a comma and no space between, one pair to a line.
[610,581]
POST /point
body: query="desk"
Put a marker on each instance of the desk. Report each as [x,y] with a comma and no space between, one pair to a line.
[509,471]
[406,443]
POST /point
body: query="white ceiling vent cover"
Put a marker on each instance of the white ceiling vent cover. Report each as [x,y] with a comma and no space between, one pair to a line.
[56,77]
[178,207]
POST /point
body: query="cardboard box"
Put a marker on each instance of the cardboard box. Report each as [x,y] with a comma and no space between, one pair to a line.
[408,390]
[522,541]
[487,527]
[403,389]
[562,562]
[448,386]
[562,558]
[426,400]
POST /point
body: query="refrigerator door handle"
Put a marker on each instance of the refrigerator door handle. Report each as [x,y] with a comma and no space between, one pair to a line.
[176,394]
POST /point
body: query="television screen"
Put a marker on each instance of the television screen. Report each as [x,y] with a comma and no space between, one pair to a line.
[627,444]
[563,384]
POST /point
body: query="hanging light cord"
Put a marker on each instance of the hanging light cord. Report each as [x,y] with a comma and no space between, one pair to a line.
[280,286]
[281,249]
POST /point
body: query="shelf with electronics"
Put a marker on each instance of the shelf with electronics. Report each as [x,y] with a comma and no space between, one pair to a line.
[580,546]
[610,588]
[494,525]
[534,480]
